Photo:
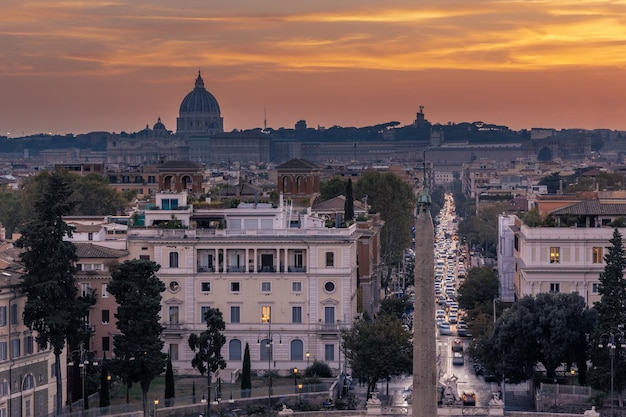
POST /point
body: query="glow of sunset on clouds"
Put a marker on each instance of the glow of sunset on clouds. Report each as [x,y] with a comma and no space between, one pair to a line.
[79,66]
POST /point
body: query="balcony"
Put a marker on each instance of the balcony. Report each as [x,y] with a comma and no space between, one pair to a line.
[235,268]
[294,268]
[328,329]
[267,268]
[176,330]
[205,268]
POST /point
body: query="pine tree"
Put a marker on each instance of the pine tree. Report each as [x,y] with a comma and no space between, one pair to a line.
[207,347]
[611,317]
[348,208]
[246,374]
[53,308]
[138,347]
[170,391]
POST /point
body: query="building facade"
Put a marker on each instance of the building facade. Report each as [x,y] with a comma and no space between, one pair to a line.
[285,288]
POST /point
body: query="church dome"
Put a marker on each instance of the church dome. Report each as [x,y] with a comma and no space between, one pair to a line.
[199,100]
[159,125]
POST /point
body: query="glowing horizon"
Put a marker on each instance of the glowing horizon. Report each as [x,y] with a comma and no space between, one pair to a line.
[77,66]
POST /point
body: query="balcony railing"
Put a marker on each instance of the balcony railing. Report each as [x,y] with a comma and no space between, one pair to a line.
[235,268]
[329,328]
[267,268]
[299,268]
[205,268]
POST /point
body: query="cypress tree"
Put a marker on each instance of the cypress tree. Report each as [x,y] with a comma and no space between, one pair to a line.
[611,318]
[348,207]
[170,391]
[246,375]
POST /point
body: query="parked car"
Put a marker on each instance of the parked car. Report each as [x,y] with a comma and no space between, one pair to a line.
[457,359]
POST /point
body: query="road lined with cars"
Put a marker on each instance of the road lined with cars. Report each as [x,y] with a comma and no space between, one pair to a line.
[452,261]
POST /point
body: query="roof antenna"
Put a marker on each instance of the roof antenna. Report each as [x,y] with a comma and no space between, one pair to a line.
[264,119]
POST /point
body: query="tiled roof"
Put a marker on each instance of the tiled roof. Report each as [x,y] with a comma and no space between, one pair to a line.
[593,207]
[89,250]
[336,204]
[297,164]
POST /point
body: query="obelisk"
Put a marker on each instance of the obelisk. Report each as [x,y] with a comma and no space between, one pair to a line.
[424,344]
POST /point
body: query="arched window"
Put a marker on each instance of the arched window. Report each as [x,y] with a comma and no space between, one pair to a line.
[234,350]
[29,382]
[297,350]
[265,350]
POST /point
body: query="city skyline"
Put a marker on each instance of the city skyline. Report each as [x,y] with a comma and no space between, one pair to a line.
[76,67]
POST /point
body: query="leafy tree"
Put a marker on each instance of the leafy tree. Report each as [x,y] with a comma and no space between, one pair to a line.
[138,357]
[94,196]
[52,308]
[532,218]
[9,210]
[90,194]
[318,369]
[105,395]
[552,181]
[544,154]
[170,390]
[207,347]
[395,201]
[480,287]
[378,349]
[611,318]
[332,188]
[348,208]
[394,307]
[548,329]
[246,374]
[482,228]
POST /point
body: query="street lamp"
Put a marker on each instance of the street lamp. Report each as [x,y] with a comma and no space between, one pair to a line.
[295,380]
[611,345]
[307,359]
[266,318]
[156,404]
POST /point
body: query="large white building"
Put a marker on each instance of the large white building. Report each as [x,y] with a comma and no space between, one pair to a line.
[567,257]
[274,274]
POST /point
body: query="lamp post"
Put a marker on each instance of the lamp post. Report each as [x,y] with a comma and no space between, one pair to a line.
[156,404]
[612,346]
[307,359]
[266,318]
[295,380]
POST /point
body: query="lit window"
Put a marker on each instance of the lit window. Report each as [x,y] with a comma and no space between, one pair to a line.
[555,255]
[596,255]
[266,314]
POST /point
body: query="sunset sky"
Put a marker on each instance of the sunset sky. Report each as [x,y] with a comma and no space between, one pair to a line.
[78,66]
